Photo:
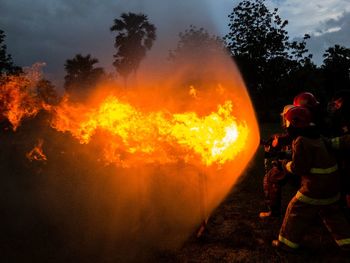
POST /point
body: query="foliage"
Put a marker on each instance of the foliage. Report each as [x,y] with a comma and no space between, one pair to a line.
[195,44]
[135,35]
[195,49]
[6,63]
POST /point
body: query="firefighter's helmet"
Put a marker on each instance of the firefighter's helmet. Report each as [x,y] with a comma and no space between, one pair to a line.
[283,113]
[287,108]
[299,117]
[305,99]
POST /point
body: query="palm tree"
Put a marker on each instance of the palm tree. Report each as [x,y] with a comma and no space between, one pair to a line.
[81,73]
[135,35]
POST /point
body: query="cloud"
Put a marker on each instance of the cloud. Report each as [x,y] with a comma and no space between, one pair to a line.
[328,34]
[306,16]
[329,30]
[327,21]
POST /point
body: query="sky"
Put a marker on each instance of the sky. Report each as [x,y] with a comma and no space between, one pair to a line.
[53,31]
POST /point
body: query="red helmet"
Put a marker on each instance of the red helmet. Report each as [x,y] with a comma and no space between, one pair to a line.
[298,117]
[305,99]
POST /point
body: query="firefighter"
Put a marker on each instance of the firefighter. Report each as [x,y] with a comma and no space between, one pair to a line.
[277,147]
[319,192]
[339,117]
[339,113]
[342,144]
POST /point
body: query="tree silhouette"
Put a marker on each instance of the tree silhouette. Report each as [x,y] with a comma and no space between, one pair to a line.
[6,63]
[81,74]
[135,35]
[336,69]
[260,45]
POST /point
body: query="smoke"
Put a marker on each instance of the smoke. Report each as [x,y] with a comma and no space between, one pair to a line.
[133,211]
[102,211]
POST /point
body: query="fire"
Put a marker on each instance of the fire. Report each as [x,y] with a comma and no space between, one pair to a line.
[134,134]
[17,100]
[158,136]
[18,95]
[178,143]
[37,154]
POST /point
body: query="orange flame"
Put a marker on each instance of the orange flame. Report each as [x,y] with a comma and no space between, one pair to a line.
[157,136]
[16,100]
[37,154]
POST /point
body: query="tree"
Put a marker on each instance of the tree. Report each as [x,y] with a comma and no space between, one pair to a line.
[336,69]
[6,63]
[196,48]
[259,43]
[135,35]
[195,44]
[81,74]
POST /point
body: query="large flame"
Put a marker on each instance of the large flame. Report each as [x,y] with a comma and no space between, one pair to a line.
[157,136]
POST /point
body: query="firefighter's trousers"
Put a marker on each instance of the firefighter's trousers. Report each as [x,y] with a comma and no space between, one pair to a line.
[300,215]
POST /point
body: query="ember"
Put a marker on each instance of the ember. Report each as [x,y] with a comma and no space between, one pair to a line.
[37,154]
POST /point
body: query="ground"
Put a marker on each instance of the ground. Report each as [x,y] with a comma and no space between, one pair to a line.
[28,234]
[235,233]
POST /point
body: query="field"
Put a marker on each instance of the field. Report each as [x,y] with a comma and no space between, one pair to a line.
[37,226]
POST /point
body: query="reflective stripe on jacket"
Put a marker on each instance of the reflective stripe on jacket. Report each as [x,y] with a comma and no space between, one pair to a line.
[317,168]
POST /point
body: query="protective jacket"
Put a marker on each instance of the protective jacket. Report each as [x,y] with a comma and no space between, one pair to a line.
[317,168]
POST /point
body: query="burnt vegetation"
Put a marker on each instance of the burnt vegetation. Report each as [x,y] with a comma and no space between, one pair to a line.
[43,218]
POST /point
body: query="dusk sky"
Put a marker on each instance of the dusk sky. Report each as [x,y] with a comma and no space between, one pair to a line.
[52,31]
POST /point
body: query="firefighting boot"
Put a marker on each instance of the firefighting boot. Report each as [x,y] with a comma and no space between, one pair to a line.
[274,211]
[269,214]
